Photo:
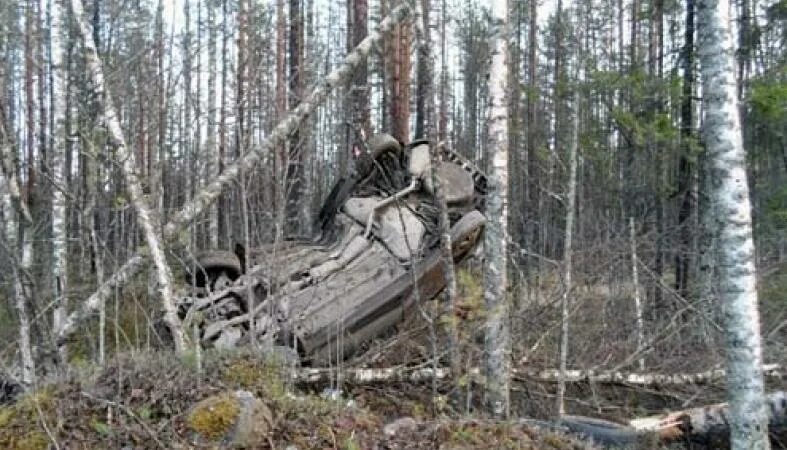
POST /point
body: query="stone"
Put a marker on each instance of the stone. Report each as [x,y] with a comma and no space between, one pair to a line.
[399,425]
[230,420]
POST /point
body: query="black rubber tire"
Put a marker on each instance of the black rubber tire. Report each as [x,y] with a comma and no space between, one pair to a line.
[220,259]
[212,264]
[380,144]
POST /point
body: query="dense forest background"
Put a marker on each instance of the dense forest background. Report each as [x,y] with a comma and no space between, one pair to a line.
[197,84]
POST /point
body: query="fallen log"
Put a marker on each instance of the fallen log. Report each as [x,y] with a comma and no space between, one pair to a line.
[705,424]
[421,374]
[641,379]
[708,422]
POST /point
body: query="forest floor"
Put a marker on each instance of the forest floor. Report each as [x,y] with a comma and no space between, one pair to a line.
[149,401]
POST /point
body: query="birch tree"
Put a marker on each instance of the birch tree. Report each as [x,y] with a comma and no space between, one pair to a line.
[565,306]
[59,238]
[731,207]
[214,159]
[146,218]
[15,208]
[497,341]
[10,214]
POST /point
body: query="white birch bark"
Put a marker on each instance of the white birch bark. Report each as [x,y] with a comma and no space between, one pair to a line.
[497,339]
[567,256]
[420,374]
[732,209]
[637,300]
[207,195]
[212,149]
[59,231]
[146,218]
[11,182]
[20,303]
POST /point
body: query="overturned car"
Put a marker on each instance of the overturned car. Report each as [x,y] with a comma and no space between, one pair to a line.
[375,251]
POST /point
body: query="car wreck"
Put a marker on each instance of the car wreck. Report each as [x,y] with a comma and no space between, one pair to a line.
[375,250]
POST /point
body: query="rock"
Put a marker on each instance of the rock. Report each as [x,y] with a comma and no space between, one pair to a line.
[230,420]
[398,425]
[9,390]
[254,422]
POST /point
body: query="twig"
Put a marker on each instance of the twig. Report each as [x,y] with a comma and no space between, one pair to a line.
[130,413]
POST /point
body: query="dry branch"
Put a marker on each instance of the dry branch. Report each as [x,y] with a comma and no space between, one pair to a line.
[211,192]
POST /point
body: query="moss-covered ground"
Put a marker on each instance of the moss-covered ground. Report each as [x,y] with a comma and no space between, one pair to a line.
[149,402]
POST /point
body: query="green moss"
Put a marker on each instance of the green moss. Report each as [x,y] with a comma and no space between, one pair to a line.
[20,423]
[244,374]
[213,417]
[6,414]
[33,440]
[256,376]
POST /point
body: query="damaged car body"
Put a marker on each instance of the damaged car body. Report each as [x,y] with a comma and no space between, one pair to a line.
[375,251]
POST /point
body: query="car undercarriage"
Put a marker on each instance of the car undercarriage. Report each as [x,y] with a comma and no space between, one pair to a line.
[375,251]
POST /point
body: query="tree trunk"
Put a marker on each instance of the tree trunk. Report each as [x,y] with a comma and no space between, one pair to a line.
[424,103]
[684,163]
[59,237]
[280,159]
[567,255]
[731,207]
[637,300]
[397,53]
[223,208]
[213,157]
[497,345]
[530,194]
[442,131]
[295,160]
[12,227]
[360,87]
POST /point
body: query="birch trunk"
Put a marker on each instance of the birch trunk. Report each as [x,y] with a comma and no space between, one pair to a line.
[428,122]
[13,206]
[732,209]
[20,299]
[59,238]
[9,175]
[213,153]
[567,255]
[420,374]
[637,300]
[497,339]
[146,218]
[206,196]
